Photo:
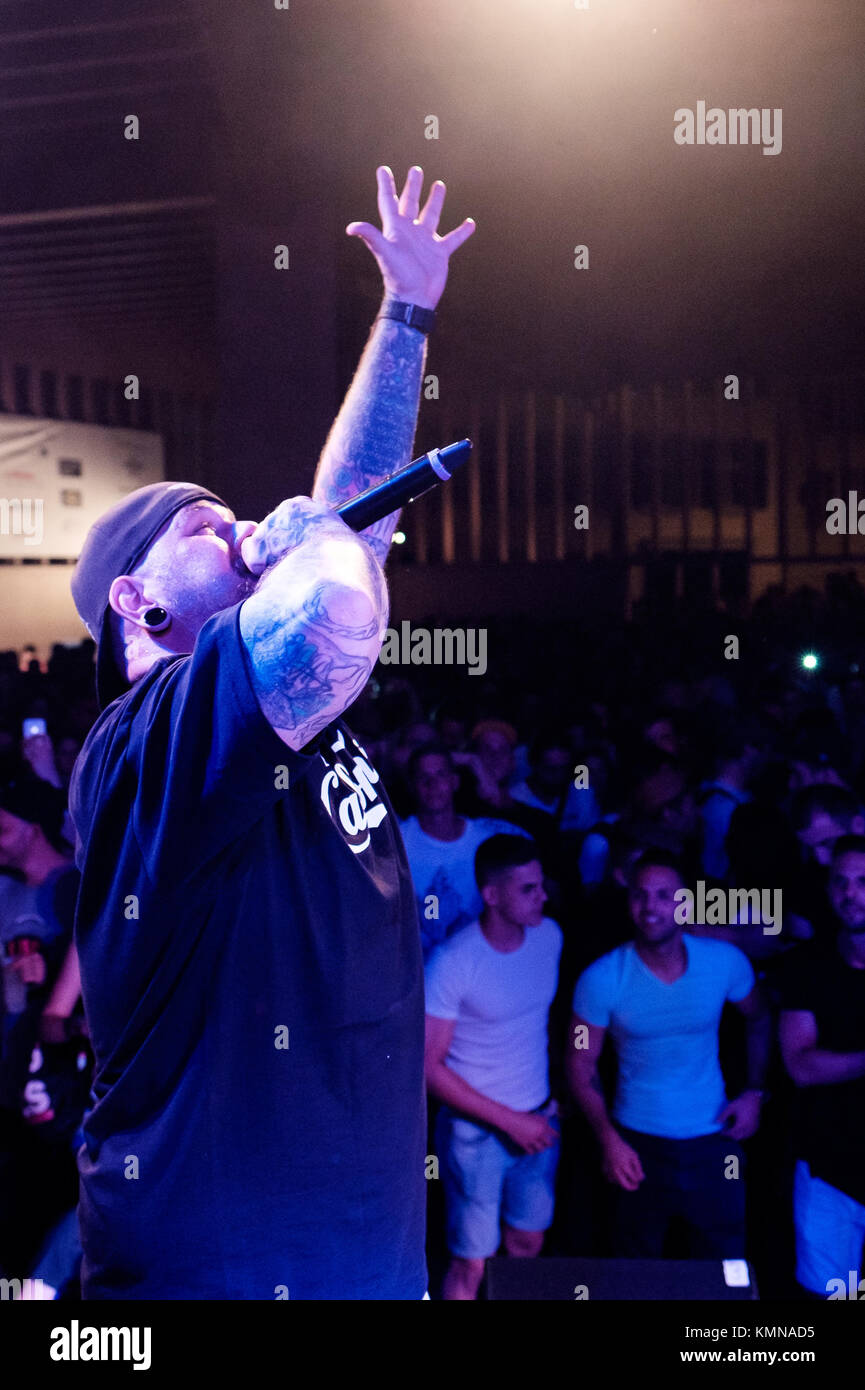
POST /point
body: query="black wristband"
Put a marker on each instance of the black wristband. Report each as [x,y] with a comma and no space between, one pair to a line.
[410,314]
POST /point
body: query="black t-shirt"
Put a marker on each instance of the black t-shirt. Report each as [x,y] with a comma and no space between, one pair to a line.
[55,1093]
[807,895]
[830,1120]
[253,984]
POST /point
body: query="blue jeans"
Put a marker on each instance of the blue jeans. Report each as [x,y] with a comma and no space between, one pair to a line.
[685,1181]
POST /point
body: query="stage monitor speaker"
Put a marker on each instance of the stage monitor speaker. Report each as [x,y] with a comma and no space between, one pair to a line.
[567,1280]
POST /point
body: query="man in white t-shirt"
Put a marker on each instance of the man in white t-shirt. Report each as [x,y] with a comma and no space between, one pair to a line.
[670,1144]
[488,995]
[441,847]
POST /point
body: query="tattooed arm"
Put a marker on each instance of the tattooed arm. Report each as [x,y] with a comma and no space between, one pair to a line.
[315,624]
[373,433]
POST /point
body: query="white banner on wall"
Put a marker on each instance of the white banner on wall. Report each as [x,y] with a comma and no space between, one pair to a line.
[58,476]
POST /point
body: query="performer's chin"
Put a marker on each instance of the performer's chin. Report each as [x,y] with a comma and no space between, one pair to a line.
[237,585]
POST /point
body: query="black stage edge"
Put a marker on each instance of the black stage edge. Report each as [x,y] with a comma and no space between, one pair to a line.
[571,1280]
[245,1338]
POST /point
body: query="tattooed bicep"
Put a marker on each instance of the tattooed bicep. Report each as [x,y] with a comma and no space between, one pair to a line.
[308,664]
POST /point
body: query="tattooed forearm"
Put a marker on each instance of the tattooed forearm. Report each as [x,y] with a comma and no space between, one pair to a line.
[373,433]
[290,525]
[282,532]
[298,521]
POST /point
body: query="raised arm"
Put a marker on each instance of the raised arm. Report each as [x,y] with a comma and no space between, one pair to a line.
[62,1000]
[67,987]
[373,433]
[315,624]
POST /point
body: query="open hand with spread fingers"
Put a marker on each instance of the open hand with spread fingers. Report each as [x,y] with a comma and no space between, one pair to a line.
[411,256]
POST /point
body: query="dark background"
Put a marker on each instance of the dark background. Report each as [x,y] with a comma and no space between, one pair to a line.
[261,127]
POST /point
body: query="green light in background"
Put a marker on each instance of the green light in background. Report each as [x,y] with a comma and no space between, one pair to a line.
[810,661]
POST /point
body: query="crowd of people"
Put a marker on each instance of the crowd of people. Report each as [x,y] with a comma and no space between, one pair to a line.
[610,840]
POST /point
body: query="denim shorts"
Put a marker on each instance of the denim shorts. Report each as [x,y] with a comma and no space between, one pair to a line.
[487,1182]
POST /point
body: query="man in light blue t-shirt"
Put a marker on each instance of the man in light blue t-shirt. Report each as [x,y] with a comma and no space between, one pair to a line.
[671,1142]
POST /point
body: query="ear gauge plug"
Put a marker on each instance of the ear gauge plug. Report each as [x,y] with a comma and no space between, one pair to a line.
[156,619]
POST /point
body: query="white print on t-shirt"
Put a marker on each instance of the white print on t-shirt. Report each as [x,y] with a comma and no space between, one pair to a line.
[355,813]
[37,1102]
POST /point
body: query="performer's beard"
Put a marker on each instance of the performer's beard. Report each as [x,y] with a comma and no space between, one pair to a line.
[191,604]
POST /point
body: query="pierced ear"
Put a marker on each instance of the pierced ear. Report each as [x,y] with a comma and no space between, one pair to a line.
[126,598]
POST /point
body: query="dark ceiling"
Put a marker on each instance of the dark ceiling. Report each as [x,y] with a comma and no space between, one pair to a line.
[94,228]
[556,129]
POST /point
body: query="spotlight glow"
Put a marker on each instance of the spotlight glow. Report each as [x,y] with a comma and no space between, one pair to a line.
[810,661]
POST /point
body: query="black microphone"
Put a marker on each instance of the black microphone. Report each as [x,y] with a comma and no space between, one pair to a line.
[403,486]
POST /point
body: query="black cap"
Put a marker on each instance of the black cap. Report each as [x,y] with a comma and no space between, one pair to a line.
[115,544]
[36,802]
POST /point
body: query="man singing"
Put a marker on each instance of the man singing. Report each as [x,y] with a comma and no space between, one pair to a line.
[250,958]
